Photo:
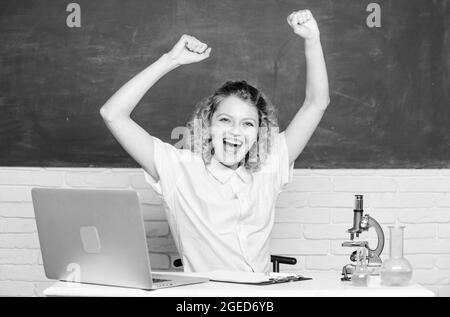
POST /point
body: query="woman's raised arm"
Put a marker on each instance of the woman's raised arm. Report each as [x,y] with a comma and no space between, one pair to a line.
[305,122]
[117,110]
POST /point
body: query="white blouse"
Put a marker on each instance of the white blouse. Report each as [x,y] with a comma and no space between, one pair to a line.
[220,218]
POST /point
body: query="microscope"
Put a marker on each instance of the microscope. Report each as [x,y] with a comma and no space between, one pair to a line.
[363,223]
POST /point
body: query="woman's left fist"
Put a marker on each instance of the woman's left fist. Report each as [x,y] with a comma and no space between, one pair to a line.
[304,24]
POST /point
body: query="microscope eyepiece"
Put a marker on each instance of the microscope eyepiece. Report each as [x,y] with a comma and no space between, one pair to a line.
[359,202]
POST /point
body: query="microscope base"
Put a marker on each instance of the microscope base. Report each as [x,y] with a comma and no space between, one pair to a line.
[349,269]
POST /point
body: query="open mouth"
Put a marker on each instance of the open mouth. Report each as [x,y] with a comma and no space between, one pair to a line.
[232,145]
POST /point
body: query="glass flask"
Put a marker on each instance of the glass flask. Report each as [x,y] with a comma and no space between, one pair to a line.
[361,275]
[396,271]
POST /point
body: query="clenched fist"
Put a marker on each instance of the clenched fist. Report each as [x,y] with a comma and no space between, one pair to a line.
[189,50]
[304,24]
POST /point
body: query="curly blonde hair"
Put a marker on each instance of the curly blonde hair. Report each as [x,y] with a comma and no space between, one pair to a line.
[200,140]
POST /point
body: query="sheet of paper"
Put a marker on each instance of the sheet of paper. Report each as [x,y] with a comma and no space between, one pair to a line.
[239,277]
[246,277]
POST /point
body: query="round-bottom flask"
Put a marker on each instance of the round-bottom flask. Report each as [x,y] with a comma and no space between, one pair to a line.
[396,271]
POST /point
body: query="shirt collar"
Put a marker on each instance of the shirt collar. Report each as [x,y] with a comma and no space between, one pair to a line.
[223,173]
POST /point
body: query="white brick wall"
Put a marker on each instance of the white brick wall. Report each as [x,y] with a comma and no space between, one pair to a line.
[311,218]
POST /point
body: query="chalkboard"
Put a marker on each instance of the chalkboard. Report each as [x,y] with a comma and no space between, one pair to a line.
[388,84]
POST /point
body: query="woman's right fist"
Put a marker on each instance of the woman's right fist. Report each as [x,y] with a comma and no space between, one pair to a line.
[188,50]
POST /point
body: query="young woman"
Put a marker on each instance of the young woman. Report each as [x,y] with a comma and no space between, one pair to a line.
[219,195]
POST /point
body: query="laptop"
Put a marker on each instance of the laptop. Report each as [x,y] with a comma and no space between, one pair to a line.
[97,237]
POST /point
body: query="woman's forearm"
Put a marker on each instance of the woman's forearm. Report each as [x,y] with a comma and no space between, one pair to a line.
[317,93]
[127,97]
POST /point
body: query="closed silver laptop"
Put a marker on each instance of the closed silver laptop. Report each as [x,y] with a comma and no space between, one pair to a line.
[97,237]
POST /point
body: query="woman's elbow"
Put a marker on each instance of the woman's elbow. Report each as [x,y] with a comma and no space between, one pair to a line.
[327,101]
[103,112]
[106,115]
[322,103]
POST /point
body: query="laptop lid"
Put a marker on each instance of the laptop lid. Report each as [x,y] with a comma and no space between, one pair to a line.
[92,236]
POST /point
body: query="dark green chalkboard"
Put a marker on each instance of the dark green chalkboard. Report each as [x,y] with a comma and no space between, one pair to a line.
[389,85]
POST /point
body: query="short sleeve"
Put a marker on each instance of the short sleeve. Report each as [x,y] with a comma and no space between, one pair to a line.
[280,162]
[167,160]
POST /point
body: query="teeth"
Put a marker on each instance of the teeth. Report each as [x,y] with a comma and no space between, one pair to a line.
[231,145]
[234,142]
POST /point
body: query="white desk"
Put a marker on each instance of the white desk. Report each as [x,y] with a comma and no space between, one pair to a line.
[323,284]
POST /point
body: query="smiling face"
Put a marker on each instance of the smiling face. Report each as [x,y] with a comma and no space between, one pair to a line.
[234,130]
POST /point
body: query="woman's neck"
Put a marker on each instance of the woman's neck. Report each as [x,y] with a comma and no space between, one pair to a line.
[234,166]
